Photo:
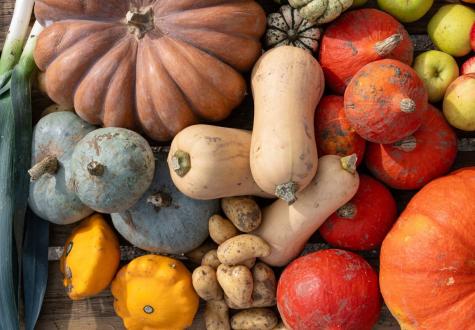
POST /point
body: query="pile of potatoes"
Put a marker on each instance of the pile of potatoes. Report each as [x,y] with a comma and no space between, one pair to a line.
[230,277]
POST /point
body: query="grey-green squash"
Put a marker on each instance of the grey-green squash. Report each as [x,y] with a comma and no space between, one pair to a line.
[112,168]
[164,220]
[52,195]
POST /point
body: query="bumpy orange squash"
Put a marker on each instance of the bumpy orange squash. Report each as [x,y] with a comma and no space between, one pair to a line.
[151,65]
[154,292]
[90,259]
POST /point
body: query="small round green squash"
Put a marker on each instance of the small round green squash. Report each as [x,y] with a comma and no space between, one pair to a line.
[112,168]
[164,220]
[52,195]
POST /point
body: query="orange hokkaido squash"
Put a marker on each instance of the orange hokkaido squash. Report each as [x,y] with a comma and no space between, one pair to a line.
[427,272]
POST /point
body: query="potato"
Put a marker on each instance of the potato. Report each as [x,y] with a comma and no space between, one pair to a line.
[216,315]
[206,284]
[236,306]
[249,263]
[236,283]
[221,229]
[254,319]
[264,286]
[243,212]
[211,259]
[197,254]
[241,248]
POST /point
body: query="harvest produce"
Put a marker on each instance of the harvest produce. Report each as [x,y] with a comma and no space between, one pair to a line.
[111,169]
[429,250]
[406,10]
[216,315]
[459,103]
[349,298]
[209,162]
[221,229]
[437,69]
[321,11]
[333,132]
[286,228]
[283,151]
[264,286]
[197,254]
[288,28]
[52,196]
[211,259]
[418,158]
[450,27]
[243,247]
[206,284]
[468,66]
[363,222]
[385,101]
[472,37]
[360,37]
[156,67]
[237,284]
[255,318]
[168,301]
[90,258]
[243,212]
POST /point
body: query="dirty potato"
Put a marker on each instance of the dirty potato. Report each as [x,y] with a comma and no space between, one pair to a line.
[254,319]
[265,286]
[241,248]
[243,212]
[206,284]
[197,254]
[236,283]
[211,259]
[221,229]
[216,315]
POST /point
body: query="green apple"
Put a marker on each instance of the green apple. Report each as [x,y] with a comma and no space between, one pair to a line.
[358,3]
[406,10]
[450,27]
[437,70]
[459,103]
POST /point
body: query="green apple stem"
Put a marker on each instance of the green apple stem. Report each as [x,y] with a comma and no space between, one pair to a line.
[386,46]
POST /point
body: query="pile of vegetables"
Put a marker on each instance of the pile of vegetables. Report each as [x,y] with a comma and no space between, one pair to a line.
[343,117]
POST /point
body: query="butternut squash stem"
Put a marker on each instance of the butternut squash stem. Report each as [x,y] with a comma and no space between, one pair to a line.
[181,162]
[49,165]
[95,168]
[159,200]
[386,46]
[348,163]
[407,105]
[347,211]
[287,191]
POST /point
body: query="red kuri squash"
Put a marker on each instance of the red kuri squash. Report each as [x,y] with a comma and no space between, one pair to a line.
[357,38]
[428,258]
[151,65]
[329,289]
[363,222]
[333,132]
[417,159]
[385,101]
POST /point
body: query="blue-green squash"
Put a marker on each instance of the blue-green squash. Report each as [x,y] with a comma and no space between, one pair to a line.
[164,220]
[112,168]
[52,195]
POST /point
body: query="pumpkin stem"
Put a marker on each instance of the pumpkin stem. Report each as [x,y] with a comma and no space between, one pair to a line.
[407,144]
[286,191]
[49,165]
[347,211]
[407,105]
[95,168]
[181,162]
[159,200]
[385,47]
[349,163]
[140,22]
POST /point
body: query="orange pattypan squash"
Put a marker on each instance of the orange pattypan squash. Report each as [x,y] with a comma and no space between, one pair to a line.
[155,292]
[90,259]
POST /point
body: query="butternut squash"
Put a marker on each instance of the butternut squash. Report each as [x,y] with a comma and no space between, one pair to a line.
[287,228]
[287,84]
[209,162]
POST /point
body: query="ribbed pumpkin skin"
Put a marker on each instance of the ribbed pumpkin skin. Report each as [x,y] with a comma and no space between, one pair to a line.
[52,197]
[182,70]
[365,220]
[434,154]
[333,132]
[427,270]
[177,228]
[349,44]
[374,101]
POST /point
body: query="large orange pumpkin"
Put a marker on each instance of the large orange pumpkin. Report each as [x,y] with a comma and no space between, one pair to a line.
[427,273]
[151,65]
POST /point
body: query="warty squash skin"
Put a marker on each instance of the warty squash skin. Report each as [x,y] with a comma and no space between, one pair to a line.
[287,84]
[164,220]
[155,66]
[153,292]
[112,167]
[427,261]
[210,162]
[286,228]
[90,258]
[52,195]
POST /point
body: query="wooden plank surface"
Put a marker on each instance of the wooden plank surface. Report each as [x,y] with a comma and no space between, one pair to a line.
[97,313]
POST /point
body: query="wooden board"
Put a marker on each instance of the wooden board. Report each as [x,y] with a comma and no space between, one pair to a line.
[97,313]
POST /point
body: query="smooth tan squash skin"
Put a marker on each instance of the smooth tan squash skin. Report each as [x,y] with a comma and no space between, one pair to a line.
[219,159]
[287,84]
[287,228]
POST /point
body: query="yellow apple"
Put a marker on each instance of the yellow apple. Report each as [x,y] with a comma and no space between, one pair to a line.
[459,103]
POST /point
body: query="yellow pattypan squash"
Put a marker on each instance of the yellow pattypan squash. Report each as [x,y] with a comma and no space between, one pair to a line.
[155,292]
[90,259]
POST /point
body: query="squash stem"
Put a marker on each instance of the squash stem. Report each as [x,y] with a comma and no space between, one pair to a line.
[347,211]
[287,191]
[386,46]
[95,168]
[49,165]
[181,162]
[407,105]
[348,163]
[159,200]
